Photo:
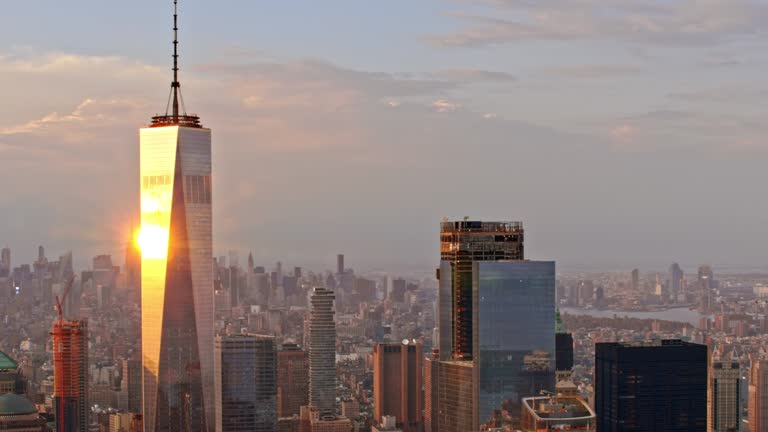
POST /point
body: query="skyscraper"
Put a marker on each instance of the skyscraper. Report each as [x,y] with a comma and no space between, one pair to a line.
[322,353]
[675,280]
[486,293]
[635,280]
[563,349]
[397,383]
[131,384]
[758,396]
[651,386]
[724,397]
[176,268]
[706,282]
[461,244]
[70,376]
[246,383]
[292,380]
[5,263]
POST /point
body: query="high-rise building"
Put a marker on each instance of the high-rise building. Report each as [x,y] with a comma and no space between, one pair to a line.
[706,282]
[5,263]
[461,244]
[176,268]
[486,292]
[397,384]
[131,384]
[563,348]
[758,396]
[651,386]
[635,280]
[322,353]
[339,264]
[292,380]
[676,277]
[246,383]
[70,376]
[724,397]
[431,387]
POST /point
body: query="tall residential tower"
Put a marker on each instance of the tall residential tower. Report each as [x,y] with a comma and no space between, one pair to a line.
[176,268]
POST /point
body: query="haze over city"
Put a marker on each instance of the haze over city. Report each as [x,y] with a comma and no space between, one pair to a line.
[623,133]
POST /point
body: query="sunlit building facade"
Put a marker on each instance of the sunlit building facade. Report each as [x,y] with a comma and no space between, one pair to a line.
[177,276]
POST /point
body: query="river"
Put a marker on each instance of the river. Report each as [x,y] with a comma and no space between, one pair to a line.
[682,314]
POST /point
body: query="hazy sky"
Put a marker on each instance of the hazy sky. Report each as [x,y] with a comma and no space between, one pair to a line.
[622,132]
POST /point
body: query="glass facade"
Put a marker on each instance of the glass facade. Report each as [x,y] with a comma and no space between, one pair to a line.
[461,244]
[176,278]
[246,383]
[515,332]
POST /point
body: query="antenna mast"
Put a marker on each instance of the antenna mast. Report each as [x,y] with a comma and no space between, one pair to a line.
[175,112]
[175,85]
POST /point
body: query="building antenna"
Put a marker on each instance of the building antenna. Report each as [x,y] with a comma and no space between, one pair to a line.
[175,111]
[175,99]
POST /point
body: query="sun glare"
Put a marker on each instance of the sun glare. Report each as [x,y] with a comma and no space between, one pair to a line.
[153,242]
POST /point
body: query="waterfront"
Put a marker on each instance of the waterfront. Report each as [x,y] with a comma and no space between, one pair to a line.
[681,314]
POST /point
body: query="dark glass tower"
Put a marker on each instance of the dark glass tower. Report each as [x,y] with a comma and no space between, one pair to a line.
[651,386]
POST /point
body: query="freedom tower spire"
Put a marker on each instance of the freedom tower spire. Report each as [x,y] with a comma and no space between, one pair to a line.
[176,267]
[175,111]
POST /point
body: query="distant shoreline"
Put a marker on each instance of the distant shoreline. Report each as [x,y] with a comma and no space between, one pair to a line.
[680,314]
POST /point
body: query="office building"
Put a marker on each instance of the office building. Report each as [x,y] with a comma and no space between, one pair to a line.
[512,364]
[758,396]
[486,294]
[635,280]
[71,405]
[431,386]
[676,277]
[563,350]
[292,380]
[461,244]
[177,297]
[397,384]
[130,384]
[245,368]
[724,396]
[651,386]
[5,263]
[339,264]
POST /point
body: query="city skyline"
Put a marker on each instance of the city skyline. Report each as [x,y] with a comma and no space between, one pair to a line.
[302,116]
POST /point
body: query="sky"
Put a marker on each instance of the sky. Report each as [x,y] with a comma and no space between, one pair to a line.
[623,133]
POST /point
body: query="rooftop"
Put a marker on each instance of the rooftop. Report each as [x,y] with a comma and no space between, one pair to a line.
[558,408]
[7,363]
[15,405]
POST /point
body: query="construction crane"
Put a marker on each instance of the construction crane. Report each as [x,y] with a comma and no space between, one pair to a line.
[64,294]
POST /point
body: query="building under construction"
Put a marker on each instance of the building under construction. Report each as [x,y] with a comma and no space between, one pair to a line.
[70,372]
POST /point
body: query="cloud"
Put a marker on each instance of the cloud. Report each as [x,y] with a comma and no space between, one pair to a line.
[474,75]
[678,22]
[586,71]
[623,133]
[444,106]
